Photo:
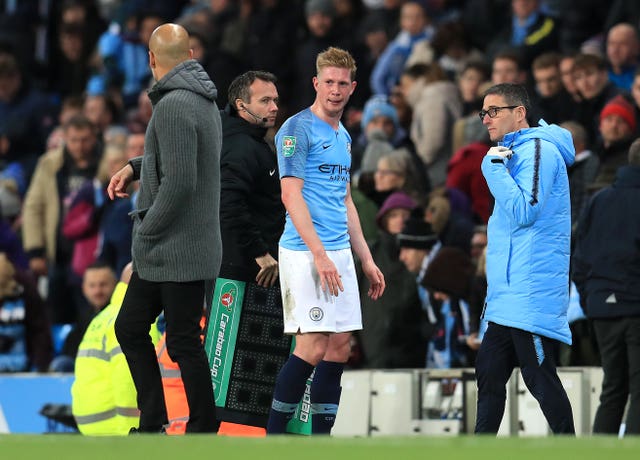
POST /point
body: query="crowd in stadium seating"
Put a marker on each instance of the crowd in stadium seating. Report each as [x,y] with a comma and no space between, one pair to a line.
[73,109]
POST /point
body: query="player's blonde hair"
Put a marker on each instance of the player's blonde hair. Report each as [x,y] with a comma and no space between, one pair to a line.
[336,57]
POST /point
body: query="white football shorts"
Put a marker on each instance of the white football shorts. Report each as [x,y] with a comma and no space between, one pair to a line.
[307,308]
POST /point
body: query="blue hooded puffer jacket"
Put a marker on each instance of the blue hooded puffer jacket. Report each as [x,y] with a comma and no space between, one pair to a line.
[529,232]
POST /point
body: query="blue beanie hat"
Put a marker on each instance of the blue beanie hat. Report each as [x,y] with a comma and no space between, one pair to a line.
[377,106]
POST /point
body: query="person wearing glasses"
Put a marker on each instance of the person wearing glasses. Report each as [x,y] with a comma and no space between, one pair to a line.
[529,235]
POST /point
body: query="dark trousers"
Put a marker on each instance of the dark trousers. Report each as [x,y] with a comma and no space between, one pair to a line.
[619,342]
[503,348]
[183,306]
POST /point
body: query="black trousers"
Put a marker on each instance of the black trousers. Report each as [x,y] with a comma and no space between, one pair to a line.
[619,342]
[503,348]
[183,306]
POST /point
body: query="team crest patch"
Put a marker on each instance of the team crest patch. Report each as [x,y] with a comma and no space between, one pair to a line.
[316,314]
[288,145]
[349,148]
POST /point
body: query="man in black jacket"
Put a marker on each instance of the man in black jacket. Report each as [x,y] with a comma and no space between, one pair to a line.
[251,212]
[251,222]
[606,270]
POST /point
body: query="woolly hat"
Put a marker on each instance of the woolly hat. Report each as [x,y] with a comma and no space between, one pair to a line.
[621,107]
[417,234]
[450,271]
[378,106]
[397,200]
[319,6]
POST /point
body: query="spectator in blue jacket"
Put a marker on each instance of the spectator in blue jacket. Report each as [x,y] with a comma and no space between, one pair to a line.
[527,259]
[414,27]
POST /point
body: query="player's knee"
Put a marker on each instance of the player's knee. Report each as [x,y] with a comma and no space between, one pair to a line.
[338,351]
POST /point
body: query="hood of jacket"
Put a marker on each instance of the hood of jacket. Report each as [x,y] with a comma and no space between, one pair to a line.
[233,124]
[560,137]
[188,75]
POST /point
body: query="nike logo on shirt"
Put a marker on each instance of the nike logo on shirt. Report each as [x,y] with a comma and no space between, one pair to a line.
[272,172]
[325,147]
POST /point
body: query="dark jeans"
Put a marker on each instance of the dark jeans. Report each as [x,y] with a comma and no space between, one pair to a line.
[183,306]
[619,342]
[503,348]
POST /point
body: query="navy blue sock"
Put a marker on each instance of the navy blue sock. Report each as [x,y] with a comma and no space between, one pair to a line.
[325,396]
[290,386]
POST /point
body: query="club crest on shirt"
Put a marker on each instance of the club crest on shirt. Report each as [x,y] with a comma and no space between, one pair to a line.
[288,145]
[349,148]
[316,314]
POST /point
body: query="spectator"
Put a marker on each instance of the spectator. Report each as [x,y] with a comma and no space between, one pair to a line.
[507,67]
[582,172]
[98,284]
[448,278]
[395,173]
[102,111]
[617,130]
[394,327]
[26,115]
[607,274]
[123,53]
[436,106]
[415,27]
[380,126]
[623,48]
[319,19]
[566,75]
[25,331]
[83,221]
[554,104]
[531,32]
[464,174]
[470,79]
[418,245]
[116,223]
[453,227]
[69,71]
[58,176]
[592,82]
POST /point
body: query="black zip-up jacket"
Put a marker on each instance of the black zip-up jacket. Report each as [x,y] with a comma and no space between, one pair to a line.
[251,210]
[606,262]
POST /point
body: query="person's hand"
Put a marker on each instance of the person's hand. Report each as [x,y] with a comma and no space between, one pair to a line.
[268,273]
[499,152]
[119,182]
[376,280]
[38,265]
[472,341]
[330,279]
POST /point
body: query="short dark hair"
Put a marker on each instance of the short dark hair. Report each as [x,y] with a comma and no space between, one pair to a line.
[513,94]
[509,54]
[477,65]
[240,86]
[416,71]
[546,60]
[79,121]
[586,61]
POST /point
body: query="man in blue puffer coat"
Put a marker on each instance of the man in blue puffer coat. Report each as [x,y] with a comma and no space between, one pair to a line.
[527,259]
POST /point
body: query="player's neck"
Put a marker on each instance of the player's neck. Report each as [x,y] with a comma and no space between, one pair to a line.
[331,118]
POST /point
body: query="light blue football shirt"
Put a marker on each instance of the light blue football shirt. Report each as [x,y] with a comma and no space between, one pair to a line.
[310,149]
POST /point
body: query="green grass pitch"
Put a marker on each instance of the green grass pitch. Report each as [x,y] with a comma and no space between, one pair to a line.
[152,447]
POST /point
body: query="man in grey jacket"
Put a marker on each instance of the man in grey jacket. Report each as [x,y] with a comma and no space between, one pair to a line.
[176,233]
